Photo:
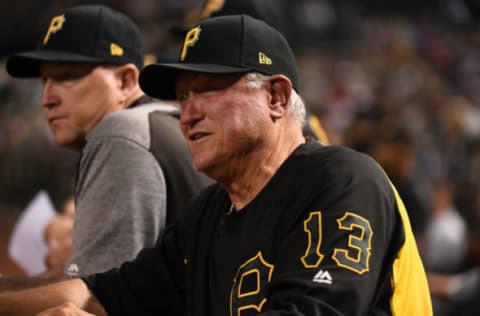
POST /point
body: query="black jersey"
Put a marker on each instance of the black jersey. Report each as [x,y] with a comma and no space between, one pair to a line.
[328,235]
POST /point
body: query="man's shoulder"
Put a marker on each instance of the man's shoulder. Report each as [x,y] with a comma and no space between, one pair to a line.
[137,116]
[132,123]
[316,153]
[336,162]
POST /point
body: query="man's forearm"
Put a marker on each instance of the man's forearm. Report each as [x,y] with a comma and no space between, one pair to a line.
[32,301]
[9,283]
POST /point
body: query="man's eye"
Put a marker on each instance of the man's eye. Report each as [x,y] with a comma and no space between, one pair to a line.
[207,89]
[66,75]
[181,97]
[70,75]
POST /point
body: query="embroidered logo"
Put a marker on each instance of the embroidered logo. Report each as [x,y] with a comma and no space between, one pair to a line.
[116,50]
[56,25]
[264,59]
[323,276]
[190,39]
[73,269]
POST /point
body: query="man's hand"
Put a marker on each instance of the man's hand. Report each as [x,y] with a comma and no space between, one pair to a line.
[60,227]
[58,235]
[58,254]
[66,309]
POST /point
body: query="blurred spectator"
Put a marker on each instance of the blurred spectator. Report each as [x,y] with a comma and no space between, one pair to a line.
[456,294]
[445,242]
[396,152]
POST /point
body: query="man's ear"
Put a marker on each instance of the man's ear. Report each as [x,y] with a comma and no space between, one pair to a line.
[128,77]
[280,91]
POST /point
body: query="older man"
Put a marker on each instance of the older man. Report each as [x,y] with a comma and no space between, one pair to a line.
[292,228]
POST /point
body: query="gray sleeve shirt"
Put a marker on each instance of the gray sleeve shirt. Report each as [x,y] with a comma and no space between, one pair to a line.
[120,194]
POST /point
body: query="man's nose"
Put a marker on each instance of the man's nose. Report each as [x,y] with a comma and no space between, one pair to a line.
[190,110]
[49,97]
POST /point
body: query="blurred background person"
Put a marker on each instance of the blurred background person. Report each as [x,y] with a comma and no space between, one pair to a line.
[446,239]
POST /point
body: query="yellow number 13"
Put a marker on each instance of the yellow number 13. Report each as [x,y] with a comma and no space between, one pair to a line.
[355,256]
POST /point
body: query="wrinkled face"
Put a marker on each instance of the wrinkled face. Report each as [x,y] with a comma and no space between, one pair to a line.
[222,120]
[76,97]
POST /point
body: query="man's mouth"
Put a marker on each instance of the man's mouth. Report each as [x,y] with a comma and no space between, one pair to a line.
[197,136]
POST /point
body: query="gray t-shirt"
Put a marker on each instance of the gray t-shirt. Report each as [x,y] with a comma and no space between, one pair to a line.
[120,192]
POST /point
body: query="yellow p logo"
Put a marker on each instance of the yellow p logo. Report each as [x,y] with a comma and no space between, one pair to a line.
[190,39]
[55,25]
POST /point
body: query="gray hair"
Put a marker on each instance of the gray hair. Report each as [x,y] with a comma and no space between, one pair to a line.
[255,80]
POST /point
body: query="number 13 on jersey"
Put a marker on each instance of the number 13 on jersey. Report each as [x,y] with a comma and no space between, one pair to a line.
[353,256]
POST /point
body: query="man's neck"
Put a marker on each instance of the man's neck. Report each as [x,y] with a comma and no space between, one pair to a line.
[254,174]
[136,98]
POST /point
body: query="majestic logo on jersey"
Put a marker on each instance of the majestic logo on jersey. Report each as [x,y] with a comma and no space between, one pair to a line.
[56,25]
[73,269]
[116,50]
[323,276]
[190,39]
[250,285]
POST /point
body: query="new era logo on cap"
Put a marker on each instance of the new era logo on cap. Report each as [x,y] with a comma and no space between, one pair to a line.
[225,44]
[116,50]
[89,33]
[264,59]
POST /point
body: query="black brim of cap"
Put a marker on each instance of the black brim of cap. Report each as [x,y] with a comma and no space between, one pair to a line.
[158,80]
[27,65]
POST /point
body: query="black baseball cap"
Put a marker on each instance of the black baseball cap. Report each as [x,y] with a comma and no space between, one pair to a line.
[224,45]
[87,33]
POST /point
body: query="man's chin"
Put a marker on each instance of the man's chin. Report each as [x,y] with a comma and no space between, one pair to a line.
[72,143]
[203,165]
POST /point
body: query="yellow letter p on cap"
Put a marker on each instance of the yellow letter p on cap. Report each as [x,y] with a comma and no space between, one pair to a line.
[190,39]
[55,25]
